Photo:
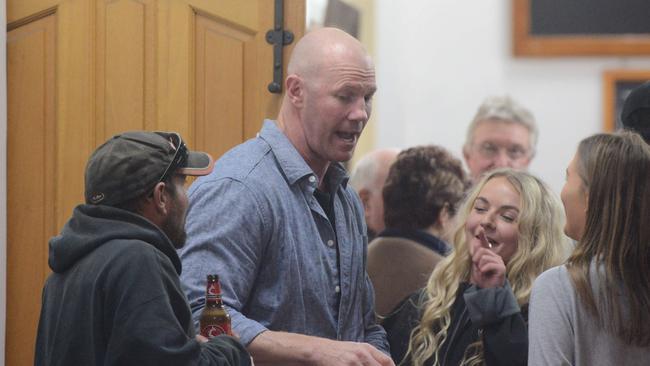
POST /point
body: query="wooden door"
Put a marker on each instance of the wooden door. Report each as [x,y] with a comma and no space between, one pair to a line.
[80,71]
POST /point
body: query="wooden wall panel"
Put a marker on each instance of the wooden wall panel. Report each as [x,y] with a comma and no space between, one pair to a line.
[125,76]
[75,102]
[31,184]
[220,50]
[21,9]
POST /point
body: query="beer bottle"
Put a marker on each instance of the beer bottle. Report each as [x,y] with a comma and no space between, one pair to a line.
[214,318]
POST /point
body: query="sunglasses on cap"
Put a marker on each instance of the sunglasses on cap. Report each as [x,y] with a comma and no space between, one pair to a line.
[180,156]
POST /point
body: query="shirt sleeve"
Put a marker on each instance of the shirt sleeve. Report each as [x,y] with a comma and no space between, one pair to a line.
[226,236]
[551,338]
[496,312]
[374,333]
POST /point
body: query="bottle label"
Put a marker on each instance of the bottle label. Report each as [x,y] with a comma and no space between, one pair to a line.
[213,291]
[214,330]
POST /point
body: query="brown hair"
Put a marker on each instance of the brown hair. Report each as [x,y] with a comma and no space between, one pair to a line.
[420,182]
[615,247]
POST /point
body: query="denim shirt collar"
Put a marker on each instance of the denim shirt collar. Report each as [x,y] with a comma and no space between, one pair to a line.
[293,165]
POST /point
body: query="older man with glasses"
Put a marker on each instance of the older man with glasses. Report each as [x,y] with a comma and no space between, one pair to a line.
[502,134]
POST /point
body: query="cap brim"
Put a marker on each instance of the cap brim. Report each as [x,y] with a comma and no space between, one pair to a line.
[198,163]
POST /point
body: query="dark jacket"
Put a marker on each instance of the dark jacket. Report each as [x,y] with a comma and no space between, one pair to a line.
[488,314]
[115,298]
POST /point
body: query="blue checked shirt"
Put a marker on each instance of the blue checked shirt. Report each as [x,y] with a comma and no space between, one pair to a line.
[283,265]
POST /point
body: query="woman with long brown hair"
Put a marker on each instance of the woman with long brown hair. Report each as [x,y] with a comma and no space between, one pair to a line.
[473,310]
[595,310]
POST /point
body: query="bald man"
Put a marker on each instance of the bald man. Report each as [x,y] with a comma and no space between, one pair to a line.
[368,178]
[279,224]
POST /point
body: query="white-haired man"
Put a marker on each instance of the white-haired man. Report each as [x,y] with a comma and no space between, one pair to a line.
[368,178]
[502,134]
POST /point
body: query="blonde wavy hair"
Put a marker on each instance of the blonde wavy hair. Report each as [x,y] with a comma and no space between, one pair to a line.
[541,245]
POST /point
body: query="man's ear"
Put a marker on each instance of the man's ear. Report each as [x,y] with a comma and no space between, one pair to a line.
[444,217]
[364,194]
[466,153]
[160,198]
[295,90]
[445,223]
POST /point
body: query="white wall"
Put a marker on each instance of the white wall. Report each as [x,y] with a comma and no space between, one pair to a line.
[438,59]
[3,177]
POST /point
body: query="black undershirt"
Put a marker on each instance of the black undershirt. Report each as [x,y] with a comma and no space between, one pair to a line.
[326,202]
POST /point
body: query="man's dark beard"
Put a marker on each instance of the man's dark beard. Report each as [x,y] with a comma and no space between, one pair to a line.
[174,228]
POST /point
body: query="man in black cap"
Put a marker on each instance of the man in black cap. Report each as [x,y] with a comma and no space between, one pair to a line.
[115,297]
[636,111]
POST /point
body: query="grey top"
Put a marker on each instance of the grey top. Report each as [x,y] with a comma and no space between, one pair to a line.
[283,265]
[562,332]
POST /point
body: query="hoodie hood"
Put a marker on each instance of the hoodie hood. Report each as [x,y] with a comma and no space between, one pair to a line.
[93,226]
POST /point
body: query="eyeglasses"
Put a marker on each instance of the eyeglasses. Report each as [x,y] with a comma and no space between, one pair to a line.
[180,157]
[490,150]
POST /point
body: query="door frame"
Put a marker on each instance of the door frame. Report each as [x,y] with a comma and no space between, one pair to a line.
[3,177]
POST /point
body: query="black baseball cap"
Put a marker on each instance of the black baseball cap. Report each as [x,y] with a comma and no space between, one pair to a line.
[636,111]
[130,164]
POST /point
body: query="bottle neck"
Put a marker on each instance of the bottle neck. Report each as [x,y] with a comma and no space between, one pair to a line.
[213,301]
[213,294]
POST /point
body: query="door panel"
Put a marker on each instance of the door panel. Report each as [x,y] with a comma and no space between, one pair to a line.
[220,50]
[80,71]
[31,153]
[125,44]
[26,9]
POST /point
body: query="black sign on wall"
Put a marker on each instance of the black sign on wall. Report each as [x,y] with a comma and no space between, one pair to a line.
[590,17]
[581,27]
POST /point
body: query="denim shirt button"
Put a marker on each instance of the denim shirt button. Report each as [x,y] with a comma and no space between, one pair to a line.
[330,243]
[337,289]
[312,179]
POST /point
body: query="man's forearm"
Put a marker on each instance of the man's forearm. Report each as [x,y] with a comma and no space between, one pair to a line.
[270,348]
[280,347]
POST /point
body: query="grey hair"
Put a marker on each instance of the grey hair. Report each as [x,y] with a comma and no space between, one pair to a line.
[503,108]
[364,175]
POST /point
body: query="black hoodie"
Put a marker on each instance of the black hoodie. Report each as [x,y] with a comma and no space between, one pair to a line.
[115,298]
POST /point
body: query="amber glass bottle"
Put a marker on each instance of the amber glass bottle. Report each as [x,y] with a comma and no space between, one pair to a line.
[214,318]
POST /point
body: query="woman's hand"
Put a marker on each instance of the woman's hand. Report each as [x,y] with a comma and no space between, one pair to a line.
[488,269]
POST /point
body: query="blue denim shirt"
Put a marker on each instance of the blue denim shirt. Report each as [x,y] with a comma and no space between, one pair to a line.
[283,265]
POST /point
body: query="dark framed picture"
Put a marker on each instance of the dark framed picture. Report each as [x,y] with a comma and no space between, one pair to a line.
[581,27]
[617,85]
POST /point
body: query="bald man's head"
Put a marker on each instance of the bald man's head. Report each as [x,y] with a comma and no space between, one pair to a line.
[328,98]
[319,47]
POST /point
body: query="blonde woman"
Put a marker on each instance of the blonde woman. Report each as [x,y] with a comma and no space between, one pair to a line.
[473,310]
[595,310]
